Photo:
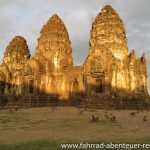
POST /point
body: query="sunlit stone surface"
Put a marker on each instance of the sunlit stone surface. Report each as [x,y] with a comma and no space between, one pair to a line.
[108,72]
[15,57]
[108,31]
[108,57]
[54,43]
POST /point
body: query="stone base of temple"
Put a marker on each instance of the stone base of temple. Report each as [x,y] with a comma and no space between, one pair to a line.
[138,102]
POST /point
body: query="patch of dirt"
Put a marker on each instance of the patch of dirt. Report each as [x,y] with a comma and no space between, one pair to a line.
[67,124]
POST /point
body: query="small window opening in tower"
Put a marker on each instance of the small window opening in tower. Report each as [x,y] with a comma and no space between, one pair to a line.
[65,67]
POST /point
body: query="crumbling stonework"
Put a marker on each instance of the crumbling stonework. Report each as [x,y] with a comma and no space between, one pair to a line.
[15,57]
[108,73]
[108,63]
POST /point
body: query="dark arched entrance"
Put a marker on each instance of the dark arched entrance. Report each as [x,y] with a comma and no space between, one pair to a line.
[75,86]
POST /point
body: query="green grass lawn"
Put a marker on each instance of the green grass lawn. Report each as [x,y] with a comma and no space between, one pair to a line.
[50,145]
[33,145]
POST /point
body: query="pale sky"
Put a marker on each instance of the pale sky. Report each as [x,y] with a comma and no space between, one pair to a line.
[26,18]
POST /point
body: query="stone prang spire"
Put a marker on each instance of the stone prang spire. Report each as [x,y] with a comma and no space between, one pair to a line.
[108,31]
[54,43]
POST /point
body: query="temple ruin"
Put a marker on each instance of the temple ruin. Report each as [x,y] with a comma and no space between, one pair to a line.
[109,75]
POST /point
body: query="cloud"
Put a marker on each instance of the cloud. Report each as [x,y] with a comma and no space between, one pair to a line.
[26,18]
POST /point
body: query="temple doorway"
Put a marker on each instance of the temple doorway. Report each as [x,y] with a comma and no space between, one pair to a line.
[99,85]
[31,86]
[75,86]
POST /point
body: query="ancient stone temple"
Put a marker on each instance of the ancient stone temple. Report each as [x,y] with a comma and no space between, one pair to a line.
[45,72]
[109,73]
[15,57]
[109,65]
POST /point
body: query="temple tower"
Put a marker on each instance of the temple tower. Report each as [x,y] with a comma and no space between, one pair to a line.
[108,32]
[15,57]
[107,63]
[54,43]
[16,54]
